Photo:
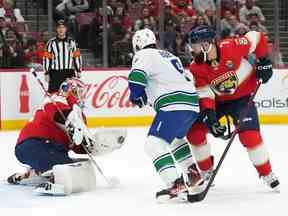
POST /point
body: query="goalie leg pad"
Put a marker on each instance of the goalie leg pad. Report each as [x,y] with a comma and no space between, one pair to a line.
[75,177]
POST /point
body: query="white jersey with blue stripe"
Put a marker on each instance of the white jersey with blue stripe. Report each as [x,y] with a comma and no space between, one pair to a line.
[163,76]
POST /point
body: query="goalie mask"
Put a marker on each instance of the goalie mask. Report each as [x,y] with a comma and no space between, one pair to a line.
[74,90]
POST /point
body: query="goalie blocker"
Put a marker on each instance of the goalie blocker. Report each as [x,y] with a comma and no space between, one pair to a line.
[44,142]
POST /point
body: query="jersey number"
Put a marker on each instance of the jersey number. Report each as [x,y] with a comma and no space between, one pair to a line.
[179,67]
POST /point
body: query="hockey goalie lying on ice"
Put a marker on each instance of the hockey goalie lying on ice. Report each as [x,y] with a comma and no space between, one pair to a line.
[57,127]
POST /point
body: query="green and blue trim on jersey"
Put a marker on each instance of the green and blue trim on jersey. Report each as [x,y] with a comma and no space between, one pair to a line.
[137,76]
[177,97]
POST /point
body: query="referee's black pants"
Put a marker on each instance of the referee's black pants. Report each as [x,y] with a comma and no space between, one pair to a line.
[56,77]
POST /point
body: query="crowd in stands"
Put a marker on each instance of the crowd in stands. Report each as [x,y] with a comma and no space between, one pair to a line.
[85,18]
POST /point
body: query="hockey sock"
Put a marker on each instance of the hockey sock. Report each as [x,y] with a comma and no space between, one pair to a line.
[257,151]
[203,155]
[157,149]
[182,153]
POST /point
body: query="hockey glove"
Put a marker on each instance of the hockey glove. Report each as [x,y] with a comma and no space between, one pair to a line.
[140,101]
[208,116]
[264,69]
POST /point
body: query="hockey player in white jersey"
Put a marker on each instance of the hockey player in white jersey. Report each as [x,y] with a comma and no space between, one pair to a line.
[157,78]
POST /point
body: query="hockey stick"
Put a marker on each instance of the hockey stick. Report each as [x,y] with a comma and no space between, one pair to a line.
[113,181]
[201,196]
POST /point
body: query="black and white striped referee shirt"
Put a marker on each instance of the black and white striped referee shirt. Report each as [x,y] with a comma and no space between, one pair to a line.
[62,54]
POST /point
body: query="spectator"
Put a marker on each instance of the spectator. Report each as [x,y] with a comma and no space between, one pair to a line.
[232,25]
[3,27]
[122,52]
[67,10]
[256,26]
[231,5]
[210,16]
[77,6]
[255,23]
[60,10]
[202,5]
[146,21]
[170,37]
[250,8]
[121,12]
[181,9]
[2,40]
[13,50]
[116,33]
[201,20]
[180,48]
[35,50]
[169,17]
[30,54]
[95,35]
[188,23]
[241,29]
[225,20]
[41,44]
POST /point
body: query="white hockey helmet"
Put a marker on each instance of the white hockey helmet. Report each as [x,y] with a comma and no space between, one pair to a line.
[143,38]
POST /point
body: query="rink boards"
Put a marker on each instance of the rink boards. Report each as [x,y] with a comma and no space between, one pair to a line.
[107,101]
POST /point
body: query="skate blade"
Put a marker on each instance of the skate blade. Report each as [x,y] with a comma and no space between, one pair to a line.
[55,190]
[181,197]
[276,189]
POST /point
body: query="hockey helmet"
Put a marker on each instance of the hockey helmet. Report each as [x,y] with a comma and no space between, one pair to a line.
[142,38]
[75,89]
[202,33]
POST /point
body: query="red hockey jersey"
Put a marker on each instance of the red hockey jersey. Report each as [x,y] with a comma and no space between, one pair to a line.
[234,77]
[43,125]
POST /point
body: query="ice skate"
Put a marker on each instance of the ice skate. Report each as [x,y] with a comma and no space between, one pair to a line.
[206,175]
[30,178]
[271,181]
[195,181]
[178,192]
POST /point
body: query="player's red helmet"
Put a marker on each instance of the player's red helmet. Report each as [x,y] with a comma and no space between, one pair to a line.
[75,89]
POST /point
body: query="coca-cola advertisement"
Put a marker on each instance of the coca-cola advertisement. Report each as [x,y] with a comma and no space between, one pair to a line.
[24,95]
[108,95]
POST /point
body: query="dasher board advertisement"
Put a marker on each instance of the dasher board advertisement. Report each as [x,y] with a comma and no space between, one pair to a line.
[108,103]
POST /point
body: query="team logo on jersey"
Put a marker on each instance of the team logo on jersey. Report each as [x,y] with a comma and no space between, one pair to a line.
[229,64]
[225,84]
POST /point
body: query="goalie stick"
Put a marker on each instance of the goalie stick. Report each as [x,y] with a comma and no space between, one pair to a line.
[201,196]
[112,181]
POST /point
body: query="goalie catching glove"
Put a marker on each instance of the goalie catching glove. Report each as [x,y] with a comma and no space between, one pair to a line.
[102,142]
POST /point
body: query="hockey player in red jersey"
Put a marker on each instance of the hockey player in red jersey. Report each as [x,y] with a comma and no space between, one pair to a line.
[57,127]
[225,79]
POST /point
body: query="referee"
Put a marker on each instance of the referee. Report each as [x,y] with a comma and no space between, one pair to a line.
[61,59]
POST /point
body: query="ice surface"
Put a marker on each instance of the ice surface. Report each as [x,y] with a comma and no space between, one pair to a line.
[238,190]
